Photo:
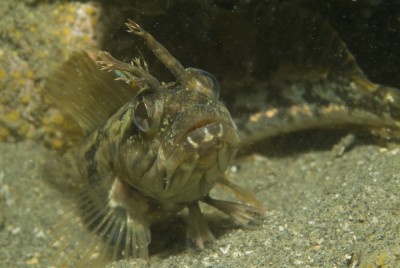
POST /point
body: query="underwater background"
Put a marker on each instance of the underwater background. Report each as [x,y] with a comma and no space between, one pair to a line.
[322,210]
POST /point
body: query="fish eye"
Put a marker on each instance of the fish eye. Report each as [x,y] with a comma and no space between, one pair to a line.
[144,111]
[212,81]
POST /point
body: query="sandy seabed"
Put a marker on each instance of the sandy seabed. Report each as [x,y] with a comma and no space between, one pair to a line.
[322,211]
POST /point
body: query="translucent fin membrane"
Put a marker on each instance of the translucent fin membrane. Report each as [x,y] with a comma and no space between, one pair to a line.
[87,94]
[90,235]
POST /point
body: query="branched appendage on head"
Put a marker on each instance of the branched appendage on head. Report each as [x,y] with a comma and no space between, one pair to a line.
[159,50]
[136,71]
[141,63]
[190,78]
[135,28]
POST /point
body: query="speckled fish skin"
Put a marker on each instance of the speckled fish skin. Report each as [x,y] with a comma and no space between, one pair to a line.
[178,162]
[150,177]
[162,151]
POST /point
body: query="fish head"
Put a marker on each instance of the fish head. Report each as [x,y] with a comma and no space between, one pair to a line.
[191,135]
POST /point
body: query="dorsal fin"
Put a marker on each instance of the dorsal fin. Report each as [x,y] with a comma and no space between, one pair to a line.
[84,92]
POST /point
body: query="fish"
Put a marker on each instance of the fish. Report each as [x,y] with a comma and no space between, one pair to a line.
[151,150]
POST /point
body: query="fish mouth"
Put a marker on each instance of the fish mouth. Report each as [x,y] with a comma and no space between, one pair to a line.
[196,126]
[201,138]
[203,153]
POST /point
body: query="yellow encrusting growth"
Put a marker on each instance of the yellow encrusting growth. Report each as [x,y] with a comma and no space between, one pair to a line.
[39,40]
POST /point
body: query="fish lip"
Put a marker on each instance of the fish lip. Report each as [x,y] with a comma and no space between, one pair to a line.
[207,135]
[185,165]
[190,158]
[197,142]
[199,124]
[190,142]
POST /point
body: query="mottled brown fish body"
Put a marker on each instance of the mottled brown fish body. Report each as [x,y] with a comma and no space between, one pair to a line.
[179,163]
[150,152]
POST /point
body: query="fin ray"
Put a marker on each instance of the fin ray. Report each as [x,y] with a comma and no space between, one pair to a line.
[87,94]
